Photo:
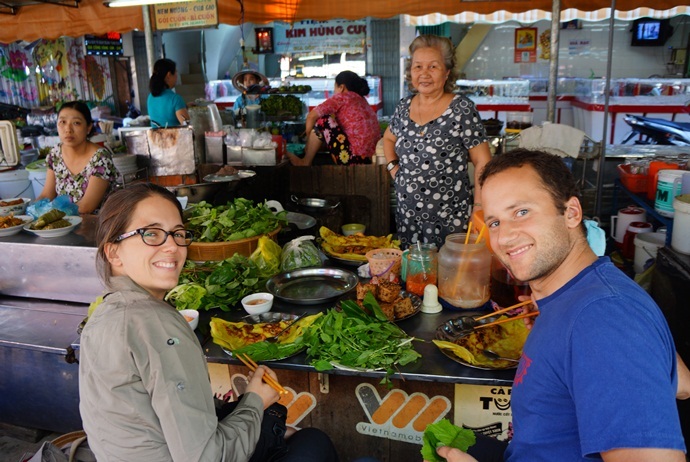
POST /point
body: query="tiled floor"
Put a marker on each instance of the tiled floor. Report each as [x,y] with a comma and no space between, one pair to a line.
[12,449]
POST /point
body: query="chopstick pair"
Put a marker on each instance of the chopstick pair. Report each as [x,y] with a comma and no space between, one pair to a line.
[504,310]
[501,321]
[249,362]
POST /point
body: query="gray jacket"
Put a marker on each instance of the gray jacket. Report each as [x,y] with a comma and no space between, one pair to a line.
[144,389]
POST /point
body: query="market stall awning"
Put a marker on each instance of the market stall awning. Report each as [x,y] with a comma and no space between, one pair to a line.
[539,15]
[262,11]
[50,21]
[92,17]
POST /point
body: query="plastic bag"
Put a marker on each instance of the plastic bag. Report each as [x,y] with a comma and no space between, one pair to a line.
[300,253]
[42,206]
[267,257]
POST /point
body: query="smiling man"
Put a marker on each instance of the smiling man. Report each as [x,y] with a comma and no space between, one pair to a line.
[598,376]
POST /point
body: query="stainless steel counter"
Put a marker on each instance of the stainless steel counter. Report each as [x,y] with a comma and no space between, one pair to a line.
[61,268]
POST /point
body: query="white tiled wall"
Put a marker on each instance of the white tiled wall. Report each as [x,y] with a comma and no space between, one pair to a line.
[494,58]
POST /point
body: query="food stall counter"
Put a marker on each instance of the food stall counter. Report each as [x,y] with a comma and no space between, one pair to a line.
[433,366]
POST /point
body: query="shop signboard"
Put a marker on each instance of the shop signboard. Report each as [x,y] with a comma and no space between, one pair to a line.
[109,44]
[195,14]
[323,37]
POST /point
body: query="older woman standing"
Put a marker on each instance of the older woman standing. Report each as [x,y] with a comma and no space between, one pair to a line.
[431,137]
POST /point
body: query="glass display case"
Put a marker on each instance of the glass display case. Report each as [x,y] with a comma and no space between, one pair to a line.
[656,91]
[223,93]
[564,86]
[510,91]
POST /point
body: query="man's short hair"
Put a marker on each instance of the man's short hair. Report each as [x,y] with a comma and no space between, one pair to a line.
[555,175]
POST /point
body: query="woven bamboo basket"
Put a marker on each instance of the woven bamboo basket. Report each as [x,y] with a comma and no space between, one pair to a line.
[217,251]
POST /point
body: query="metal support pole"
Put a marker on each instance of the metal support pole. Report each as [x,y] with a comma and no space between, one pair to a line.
[148,38]
[607,88]
[553,61]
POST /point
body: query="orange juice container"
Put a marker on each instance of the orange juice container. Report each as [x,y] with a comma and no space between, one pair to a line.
[422,268]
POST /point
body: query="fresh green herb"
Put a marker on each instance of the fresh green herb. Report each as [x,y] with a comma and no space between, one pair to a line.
[444,433]
[266,351]
[186,296]
[239,219]
[353,338]
[224,282]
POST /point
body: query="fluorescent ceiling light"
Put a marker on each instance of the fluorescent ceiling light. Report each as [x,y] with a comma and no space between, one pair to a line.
[118,3]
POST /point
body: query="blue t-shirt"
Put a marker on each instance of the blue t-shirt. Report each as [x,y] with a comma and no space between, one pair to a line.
[598,372]
[243,101]
[162,108]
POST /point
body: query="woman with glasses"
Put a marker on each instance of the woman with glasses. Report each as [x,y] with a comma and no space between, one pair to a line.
[143,383]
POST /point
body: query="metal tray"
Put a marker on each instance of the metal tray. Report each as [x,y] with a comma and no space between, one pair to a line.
[241,174]
[311,286]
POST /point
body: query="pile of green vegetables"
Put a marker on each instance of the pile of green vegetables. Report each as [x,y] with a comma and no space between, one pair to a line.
[354,338]
[216,284]
[239,219]
[276,105]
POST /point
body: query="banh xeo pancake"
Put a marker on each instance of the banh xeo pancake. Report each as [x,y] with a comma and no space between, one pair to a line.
[236,335]
[354,247]
[505,339]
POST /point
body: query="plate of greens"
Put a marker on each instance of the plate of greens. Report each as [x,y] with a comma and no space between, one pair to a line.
[351,339]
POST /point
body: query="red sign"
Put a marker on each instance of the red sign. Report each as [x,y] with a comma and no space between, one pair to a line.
[526,45]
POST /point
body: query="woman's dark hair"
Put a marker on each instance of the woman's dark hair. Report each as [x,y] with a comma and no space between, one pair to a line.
[160,70]
[83,109]
[353,82]
[116,214]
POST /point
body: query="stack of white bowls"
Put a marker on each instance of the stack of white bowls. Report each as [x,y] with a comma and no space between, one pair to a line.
[126,165]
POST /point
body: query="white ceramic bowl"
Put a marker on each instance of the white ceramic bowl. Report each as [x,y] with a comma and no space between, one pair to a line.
[258,303]
[50,233]
[17,209]
[192,317]
[353,228]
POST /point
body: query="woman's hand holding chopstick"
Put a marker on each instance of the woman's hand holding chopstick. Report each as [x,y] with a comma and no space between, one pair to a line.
[262,381]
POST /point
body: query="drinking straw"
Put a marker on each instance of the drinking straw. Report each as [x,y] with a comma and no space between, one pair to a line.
[481,233]
[469,231]
[249,362]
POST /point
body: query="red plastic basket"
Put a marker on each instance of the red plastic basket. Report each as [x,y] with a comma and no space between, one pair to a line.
[634,182]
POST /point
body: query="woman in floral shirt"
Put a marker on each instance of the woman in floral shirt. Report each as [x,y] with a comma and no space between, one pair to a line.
[345,124]
[77,167]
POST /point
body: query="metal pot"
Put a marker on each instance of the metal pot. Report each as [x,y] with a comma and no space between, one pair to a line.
[314,205]
[197,192]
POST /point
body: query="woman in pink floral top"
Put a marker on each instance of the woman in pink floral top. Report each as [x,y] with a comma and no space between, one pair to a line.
[345,124]
[77,167]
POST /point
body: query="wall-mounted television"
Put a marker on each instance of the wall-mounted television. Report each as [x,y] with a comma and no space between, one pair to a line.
[648,32]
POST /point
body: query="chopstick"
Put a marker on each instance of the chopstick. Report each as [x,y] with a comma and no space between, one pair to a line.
[501,321]
[249,362]
[504,310]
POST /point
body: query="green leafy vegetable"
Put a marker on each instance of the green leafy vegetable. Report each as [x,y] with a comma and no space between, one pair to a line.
[216,284]
[444,433]
[239,219]
[299,253]
[353,338]
[266,351]
[186,296]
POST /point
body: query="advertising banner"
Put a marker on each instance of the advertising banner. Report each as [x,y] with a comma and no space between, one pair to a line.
[327,37]
[188,15]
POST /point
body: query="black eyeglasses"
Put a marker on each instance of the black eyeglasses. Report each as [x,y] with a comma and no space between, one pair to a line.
[157,236]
